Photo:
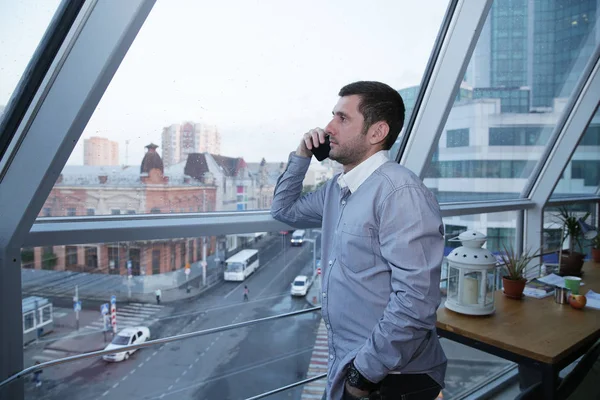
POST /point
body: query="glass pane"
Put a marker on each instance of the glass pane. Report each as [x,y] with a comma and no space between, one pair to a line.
[22,25]
[559,234]
[223,365]
[522,72]
[468,367]
[582,174]
[202,114]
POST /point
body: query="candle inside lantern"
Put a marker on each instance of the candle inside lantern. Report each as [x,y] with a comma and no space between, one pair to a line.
[470,290]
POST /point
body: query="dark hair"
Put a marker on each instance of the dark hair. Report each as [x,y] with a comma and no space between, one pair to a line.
[378,102]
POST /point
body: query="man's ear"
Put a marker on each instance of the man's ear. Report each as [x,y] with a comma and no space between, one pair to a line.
[378,132]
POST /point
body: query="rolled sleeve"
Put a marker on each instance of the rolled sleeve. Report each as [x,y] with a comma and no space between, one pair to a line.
[289,206]
[412,244]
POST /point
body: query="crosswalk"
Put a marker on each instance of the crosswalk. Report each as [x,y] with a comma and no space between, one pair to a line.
[318,365]
[132,314]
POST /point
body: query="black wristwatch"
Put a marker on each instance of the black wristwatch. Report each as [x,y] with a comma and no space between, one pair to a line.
[356,380]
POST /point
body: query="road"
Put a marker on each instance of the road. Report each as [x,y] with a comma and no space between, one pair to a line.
[229,365]
[234,364]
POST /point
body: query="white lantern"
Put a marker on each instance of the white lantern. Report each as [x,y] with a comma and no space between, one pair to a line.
[471,276]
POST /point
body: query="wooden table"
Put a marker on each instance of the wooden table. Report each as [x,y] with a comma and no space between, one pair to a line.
[537,333]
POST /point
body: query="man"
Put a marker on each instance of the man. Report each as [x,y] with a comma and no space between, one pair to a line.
[246,292]
[158,293]
[382,249]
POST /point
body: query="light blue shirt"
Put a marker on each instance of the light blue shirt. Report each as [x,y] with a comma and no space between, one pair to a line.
[382,250]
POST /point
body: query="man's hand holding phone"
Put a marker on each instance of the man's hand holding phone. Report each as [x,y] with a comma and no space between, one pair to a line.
[315,141]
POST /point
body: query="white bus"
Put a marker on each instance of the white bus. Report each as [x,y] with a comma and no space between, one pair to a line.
[241,265]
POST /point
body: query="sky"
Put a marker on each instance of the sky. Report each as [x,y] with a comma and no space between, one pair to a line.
[263,71]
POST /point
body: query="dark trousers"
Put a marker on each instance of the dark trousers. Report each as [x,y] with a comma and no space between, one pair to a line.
[157,299]
[403,387]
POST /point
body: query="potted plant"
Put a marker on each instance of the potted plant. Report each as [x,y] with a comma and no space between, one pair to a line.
[571,260]
[596,249]
[514,265]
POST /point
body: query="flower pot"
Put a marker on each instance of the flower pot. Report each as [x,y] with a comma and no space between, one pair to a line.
[571,263]
[513,288]
[596,255]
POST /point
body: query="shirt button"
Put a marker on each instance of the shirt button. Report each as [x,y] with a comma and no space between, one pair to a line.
[324,294]
[343,202]
[331,356]
[330,263]
[327,326]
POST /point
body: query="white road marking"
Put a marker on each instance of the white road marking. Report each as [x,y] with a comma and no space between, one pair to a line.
[125,377]
[115,385]
[132,371]
[170,387]
[155,353]
[148,359]
[184,372]
[141,364]
[177,380]
[105,393]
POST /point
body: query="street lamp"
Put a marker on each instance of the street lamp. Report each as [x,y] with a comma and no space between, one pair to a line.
[314,242]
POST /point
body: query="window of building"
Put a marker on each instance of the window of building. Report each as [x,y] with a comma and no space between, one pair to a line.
[91,257]
[49,259]
[71,212]
[155,210]
[28,321]
[499,238]
[71,255]
[457,137]
[130,212]
[114,260]
[91,211]
[47,212]
[155,262]
[115,211]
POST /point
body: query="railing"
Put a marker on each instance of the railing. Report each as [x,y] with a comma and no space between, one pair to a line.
[170,339]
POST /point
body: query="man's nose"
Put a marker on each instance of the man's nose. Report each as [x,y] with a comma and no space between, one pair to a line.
[329,128]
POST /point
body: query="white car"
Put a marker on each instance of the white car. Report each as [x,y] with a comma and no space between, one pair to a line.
[300,285]
[126,337]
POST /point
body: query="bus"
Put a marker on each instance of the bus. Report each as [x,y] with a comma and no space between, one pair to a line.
[241,265]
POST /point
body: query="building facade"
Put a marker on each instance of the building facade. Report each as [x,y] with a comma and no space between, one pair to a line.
[99,151]
[180,140]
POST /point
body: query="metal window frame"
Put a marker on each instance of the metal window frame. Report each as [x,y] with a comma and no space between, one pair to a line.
[36,156]
[420,142]
[583,104]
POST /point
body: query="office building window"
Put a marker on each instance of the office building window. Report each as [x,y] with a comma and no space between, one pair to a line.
[457,137]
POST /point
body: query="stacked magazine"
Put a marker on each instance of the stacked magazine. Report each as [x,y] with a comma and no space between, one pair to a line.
[538,289]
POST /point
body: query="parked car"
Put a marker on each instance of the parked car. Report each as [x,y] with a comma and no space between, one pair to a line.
[126,337]
[300,285]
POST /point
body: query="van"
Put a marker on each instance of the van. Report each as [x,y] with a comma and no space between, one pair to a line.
[297,237]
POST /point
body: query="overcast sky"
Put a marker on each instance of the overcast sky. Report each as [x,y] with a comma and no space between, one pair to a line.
[263,71]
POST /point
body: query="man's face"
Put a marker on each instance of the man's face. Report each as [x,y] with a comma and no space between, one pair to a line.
[349,144]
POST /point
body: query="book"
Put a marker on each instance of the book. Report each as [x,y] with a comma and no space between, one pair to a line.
[538,289]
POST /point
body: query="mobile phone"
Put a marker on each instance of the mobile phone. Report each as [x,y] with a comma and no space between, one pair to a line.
[322,152]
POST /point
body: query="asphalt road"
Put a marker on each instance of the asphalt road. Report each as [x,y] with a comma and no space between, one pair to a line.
[233,364]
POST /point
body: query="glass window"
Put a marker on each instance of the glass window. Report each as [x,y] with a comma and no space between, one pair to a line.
[243,95]
[29,321]
[518,98]
[457,138]
[46,312]
[22,26]
[468,367]
[72,258]
[155,262]
[582,173]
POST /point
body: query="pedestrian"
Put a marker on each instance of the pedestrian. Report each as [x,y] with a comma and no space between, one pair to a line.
[158,293]
[36,376]
[382,250]
[246,292]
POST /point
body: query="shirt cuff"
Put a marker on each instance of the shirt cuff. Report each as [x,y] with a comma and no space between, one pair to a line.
[361,363]
[298,164]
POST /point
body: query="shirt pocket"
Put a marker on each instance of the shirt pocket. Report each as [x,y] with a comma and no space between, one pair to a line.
[356,247]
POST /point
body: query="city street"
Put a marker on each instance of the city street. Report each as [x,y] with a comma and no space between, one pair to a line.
[233,364]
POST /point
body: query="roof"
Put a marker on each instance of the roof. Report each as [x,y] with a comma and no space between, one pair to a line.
[121,176]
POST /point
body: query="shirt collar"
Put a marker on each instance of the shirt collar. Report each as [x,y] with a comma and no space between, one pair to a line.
[353,179]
